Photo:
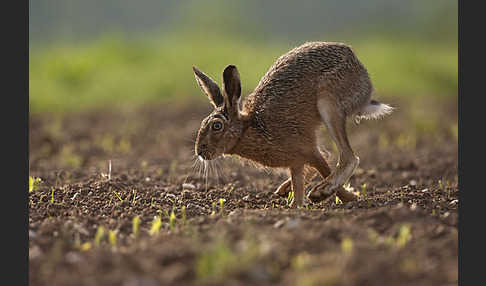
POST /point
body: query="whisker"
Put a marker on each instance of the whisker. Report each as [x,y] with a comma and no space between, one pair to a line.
[194,163]
[218,170]
[206,174]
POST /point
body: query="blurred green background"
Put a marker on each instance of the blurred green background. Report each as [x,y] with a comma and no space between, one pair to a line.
[107,53]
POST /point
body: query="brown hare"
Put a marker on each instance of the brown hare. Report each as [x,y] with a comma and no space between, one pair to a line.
[315,83]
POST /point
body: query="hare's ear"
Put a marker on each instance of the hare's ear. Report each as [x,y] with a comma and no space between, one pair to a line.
[210,88]
[231,86]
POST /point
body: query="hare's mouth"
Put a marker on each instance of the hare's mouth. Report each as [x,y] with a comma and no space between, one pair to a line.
[205,156]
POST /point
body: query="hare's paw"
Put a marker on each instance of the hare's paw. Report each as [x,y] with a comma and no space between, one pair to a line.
[321,191]
[346,196]
[284,189]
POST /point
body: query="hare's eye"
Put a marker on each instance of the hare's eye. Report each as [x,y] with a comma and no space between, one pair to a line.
[217,126]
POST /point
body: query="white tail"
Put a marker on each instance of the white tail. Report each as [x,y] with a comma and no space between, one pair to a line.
[374,110]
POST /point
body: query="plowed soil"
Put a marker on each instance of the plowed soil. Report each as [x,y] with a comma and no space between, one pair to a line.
[401,231]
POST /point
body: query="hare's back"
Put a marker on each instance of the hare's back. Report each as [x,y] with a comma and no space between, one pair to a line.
[296,75]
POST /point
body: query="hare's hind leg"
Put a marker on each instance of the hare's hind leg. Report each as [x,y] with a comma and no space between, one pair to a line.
[335,121]
[284,188]
[320,191]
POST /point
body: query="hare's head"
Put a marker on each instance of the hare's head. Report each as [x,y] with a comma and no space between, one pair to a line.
[220,130]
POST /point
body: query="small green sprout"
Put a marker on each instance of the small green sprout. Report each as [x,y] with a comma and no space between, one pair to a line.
[301,261]
[172,220]
[290,198]
[338,201]
[112,238]
[85,246]
[117,195]
[156,224]
[363,190]
[231,189]
[213,213]
[100,233]
[144,164]
[404,236]
[135,225]
[52,195]
[134,196]
[221,206]
[33,182]
[347,245]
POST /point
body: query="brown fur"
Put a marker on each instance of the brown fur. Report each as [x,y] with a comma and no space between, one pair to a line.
[311,84]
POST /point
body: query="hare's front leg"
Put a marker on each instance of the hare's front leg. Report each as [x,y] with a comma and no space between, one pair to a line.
[297,179]
[286,187]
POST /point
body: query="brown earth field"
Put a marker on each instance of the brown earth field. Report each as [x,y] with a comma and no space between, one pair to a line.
[158,217]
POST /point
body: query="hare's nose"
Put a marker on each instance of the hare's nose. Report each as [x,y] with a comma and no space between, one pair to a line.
[201,148]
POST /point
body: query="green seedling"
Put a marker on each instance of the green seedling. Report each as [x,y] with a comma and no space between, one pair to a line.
[213,213]
[221,206]
[171,201]
[404,236]
[52,195]
[172,220]
[112,238]
[363,191]
[85,246]
[218,260]
[290,198]
[301,261]
[100,233]
[134,196]
[144,164]
[33,182]
[231,189]
[135,225]
[338,201]
[156,224]
[117,195]
[347,245]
